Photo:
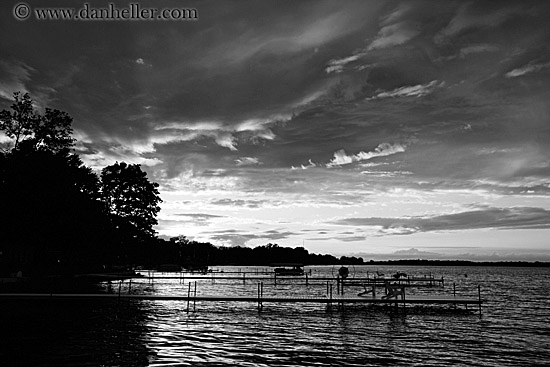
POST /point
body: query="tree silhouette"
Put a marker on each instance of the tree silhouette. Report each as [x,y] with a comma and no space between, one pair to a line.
[51,131]
[130,196]
[54,219]
[51,218]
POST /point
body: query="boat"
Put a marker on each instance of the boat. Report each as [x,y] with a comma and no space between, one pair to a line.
[196,268]
[168,268]
[288,269]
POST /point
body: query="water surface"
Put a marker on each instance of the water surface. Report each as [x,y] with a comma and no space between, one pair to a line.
[512,331]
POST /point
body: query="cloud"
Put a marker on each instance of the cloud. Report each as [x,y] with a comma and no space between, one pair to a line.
[351,238]
[199,216]
[247,161]
[241,238]
[150,142]
[394,35]
[239,203]
[341,158]
[398,14]
[98,160]
[527,69]
[470,16]
[140,61]
[14,75]
[415,253]
[476,49]
[284,35]
[225,135]
[198,219]
[174,223]
[192,126]
[411,253]
[310,164]
[337,65]
[496,218]
[227,141]
[383,149]
[419,90]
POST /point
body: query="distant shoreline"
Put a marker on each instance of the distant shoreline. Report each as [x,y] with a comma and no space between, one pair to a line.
[417,262]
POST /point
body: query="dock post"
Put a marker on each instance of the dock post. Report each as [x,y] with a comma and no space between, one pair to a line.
[454,289]
[195,297]
[244,278]
[338,284]
[188,295]
[479,298]
[330,296]
[130,286]
[306,281]
[260,291]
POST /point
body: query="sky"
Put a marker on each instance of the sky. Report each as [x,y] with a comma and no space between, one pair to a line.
[382,129]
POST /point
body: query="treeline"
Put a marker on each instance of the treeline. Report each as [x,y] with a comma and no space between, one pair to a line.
[186,253]
[183,252]
[59,216]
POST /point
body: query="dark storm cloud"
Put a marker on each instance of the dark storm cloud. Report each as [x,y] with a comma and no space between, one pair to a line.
[272,85]
[498,218]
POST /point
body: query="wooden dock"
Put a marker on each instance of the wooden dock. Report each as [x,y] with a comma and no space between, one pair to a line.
[335,299]
[394,292]
[306,279]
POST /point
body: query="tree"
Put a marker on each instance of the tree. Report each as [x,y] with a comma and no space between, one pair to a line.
[21,122]
[52,218]
[51,131]
[131,198]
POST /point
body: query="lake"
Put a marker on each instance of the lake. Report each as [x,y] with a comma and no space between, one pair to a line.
[513,330]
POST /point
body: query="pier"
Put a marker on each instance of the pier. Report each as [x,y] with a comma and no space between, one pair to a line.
[307,279]
[254,299]
[369,290]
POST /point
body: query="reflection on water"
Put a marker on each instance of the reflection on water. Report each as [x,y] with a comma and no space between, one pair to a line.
[72,333]
[513,330]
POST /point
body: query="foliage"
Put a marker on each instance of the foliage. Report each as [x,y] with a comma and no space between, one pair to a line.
[57,215]
[51,131]
[180,250]
[50,216]
[130,196]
